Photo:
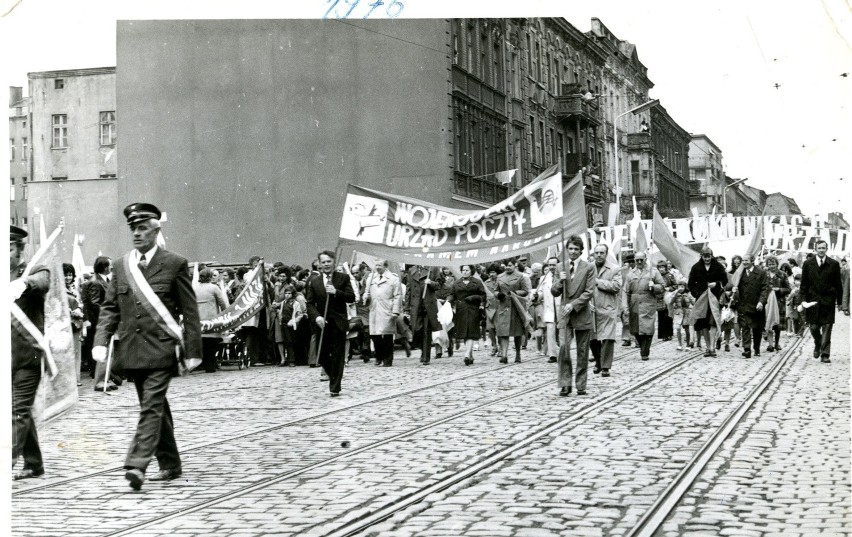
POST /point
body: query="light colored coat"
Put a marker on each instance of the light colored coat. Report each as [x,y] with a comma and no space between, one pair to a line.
[549,303]
[607,302]
[642,301]
[383,293]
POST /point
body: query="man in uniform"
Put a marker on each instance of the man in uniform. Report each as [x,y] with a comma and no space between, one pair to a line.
[150,289]
[27,325]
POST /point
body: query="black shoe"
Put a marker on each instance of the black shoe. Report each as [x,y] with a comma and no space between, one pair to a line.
[625,344]
[756,352]
[450,352]
[605,373]
[28,473]
[552,360]
[334,394]
[504,360]
[517,359]
[691,345]
[438,355]
[778,348]
[747,354]
[727,348]
[494,351]
[712,354]
[597,370]
[770,348]
[718,344]
[468,361]
[378,362]
[825,360]
[565,392]
[707,354]
[387,364]
[167,475]
[645,358]
[581,392]
[136,477]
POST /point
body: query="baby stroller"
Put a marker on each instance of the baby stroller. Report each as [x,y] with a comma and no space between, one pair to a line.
[232,351]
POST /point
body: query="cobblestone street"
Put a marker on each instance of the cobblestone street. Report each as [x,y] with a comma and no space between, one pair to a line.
[267,452]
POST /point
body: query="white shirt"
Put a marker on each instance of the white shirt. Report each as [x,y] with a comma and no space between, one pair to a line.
[148,255]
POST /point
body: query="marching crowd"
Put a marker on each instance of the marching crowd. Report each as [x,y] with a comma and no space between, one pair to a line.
[328,313]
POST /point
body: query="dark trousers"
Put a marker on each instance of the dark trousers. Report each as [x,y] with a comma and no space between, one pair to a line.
[24,435]
[208,353]
[255,344]
[752,330]
[665,324]
[822,339]
[155,435]
[384,348]
[86,351]
[644,345]
[332,355]
[564,360]
[603,351]
[425,345]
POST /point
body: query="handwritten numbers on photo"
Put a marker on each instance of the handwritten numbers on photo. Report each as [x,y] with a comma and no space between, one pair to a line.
[342,10]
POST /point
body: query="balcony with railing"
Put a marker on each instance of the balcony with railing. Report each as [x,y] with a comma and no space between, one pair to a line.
[570,104]
[639,141]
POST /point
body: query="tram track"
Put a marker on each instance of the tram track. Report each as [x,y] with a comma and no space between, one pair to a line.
[666,503]
[300,421]
[367,520]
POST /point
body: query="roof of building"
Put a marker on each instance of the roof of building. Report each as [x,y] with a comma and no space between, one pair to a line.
[709,141]
[778,203]
[73,72]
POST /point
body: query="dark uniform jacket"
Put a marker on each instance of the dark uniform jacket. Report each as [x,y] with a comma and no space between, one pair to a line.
[315,295]
[93,294]
[144,343]
[25,354]
[823,285]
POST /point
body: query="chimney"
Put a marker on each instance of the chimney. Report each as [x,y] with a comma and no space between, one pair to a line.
[16,93]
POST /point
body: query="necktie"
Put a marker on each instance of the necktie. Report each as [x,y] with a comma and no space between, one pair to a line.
[143,263]
[571,271]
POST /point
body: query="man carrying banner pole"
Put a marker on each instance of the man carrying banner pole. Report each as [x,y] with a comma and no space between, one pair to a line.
[150,289]
[330,291]
[28,295]
[707,277]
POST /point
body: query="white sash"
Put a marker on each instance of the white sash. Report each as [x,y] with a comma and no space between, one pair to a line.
[35,334]
[163,315]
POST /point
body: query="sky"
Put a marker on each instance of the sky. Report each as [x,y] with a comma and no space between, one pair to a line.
[762,79]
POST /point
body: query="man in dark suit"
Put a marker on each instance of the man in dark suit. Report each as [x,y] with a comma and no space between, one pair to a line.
[93,294]
[421,305]
[28,295]
[150,289]
[821,283]
[750,296]
[327,294]
[575,317]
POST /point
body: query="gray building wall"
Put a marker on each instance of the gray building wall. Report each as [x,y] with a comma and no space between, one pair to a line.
[247,132]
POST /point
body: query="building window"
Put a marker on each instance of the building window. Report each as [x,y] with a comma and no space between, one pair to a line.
[58,83]
[533,144]
[108,133]
[538,63]
[107,176]
[11,149]
[59,178]
[24,192]
[60,130]
[516,75]
[470,43]
[560,147]
[541,143]
[24,221]
[529,56]
[553,153]
[25,149]
[12,189]
[457,31]
[634,176]
[497,69]
[517,153]
[484,63]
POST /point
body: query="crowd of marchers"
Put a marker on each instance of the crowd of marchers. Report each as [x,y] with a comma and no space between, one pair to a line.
[325,315]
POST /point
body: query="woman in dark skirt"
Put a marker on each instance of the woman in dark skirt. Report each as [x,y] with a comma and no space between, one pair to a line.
[467,295]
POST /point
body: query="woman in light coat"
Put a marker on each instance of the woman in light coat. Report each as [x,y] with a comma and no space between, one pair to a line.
[549,308]
[644,285]
[383,293]
[211,300]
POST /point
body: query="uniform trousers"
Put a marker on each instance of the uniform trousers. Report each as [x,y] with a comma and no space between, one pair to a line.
[24,435]
[564,359]
[822,339]
[332,355]
[603,351]
[155,435]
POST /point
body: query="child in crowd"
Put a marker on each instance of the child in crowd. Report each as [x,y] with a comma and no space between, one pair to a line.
[682,312]
[793,301]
